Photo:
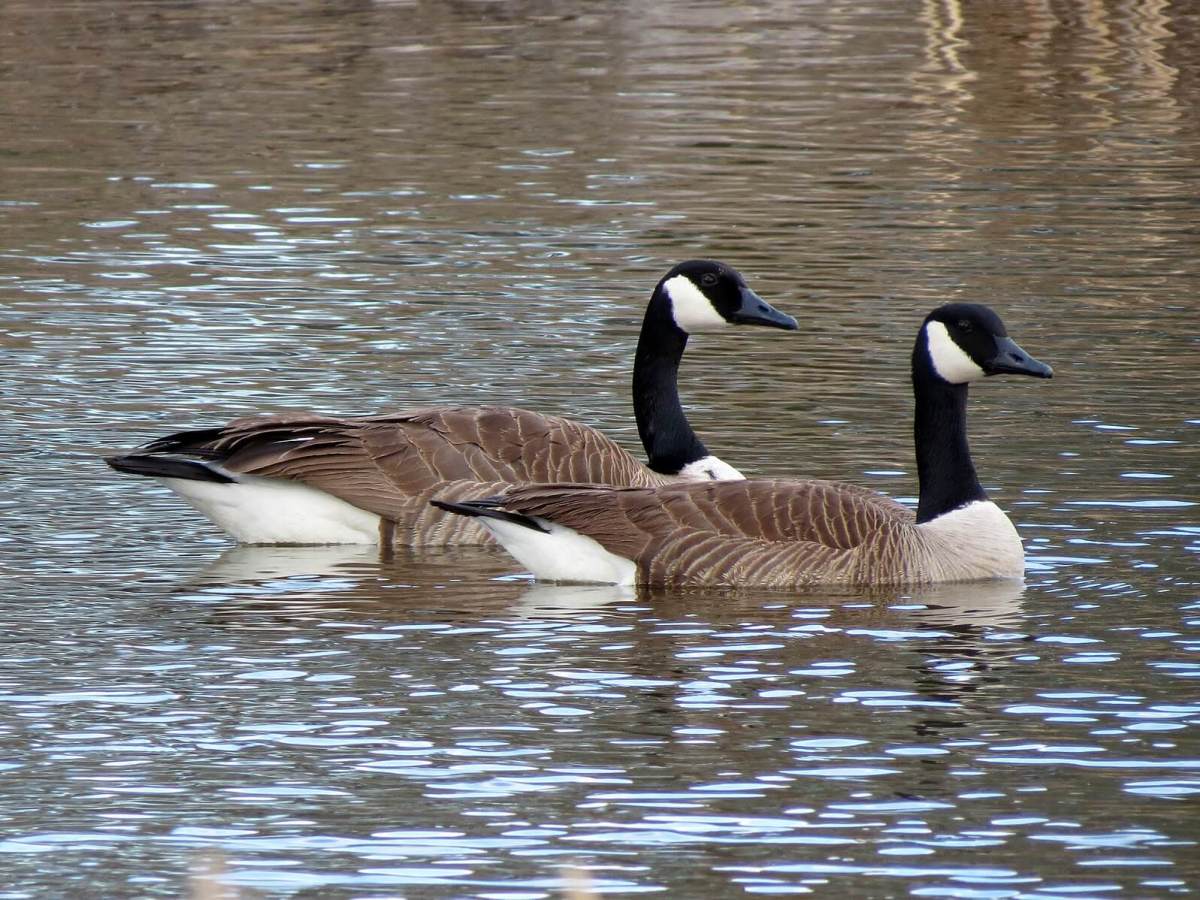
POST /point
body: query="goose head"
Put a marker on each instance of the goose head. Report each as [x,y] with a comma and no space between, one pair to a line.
[705,295]
[963,342]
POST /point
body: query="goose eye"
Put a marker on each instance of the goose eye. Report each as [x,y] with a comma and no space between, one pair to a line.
[708,279]
[964,326]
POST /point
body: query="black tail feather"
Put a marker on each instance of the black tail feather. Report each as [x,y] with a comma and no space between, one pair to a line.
[167,467]
[194,442]
[489,509]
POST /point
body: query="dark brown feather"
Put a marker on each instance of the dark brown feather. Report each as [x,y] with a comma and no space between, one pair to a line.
[775,533]
[393,464]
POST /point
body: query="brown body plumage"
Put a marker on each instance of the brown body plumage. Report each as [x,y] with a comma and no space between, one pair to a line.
[392,465]
[768,533]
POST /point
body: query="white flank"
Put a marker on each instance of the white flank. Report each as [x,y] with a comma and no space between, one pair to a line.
[562,555]
[691,309]
[973,542]
[950,360]
[710,468]
[274,511]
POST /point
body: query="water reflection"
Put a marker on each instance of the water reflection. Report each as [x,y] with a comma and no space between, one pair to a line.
[365,574]
[977,605]
[566,600]
[259,565]
[288,579]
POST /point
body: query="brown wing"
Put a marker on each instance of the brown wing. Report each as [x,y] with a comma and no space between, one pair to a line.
[736,532]
[392,464]
[832,514]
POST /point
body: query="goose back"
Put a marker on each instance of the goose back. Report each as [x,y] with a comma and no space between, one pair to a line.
[391,465]
[768,533]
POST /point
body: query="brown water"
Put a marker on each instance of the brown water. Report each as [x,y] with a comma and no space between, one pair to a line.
[209,209]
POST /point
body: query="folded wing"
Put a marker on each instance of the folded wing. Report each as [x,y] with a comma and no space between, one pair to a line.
[740,532]
[392,464]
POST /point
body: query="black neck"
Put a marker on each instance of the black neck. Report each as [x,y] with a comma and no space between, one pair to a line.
[944,468]
[665,431]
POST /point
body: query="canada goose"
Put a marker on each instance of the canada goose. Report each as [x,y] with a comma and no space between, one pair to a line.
[310,479]
[793,533]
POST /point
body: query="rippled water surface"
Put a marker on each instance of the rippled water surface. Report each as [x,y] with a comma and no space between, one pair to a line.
[210,209]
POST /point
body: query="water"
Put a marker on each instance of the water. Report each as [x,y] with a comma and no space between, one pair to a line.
[220,208]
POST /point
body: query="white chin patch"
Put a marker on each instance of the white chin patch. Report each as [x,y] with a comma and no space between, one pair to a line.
[710,468]
[691,309]
[950,361]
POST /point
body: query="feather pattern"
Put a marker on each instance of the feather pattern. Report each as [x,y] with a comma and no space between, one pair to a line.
[768,533]
[392,465]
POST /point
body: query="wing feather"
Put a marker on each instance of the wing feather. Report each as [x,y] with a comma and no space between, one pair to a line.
[763,532]
[392,464]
